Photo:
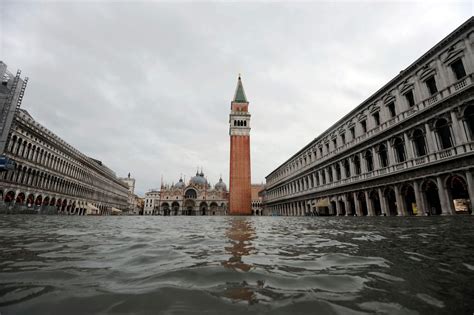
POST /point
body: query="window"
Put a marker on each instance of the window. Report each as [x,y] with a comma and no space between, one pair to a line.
[357,164]
[334,142]
[444,134]
[363,124]
[458,69]
[347,168]
[419,142]
[327,147]
[369,161]
[391,109]
[383,155]
[410,99]
[431,85]
[330,175]
[338,172]
[320,151]
[376,118]
[469,117]
[399,150]
[353,134]
[343,138]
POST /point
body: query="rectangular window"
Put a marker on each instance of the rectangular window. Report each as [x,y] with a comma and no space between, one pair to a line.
[410,99]
[320,151]
[363,124]
[343,138]
[458,69]
[431,85]
[391,109]
[327,147]
[376,118]
[334,142]
[353,134]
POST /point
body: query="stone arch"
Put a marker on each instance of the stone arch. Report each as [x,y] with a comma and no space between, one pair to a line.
[383,155]
[190,193]
[399,149]
[374,198]
[351,205]
[46,201]
[10,196]
[443,133]
[39,200]
[431,197]
[189,205]
[347,168]
[175,208]
[362,203]
[419,142]
[20,198]
[203,208]
[213,207]
[342,207]
[357,167]
[408,195]
[369,160]
[458,194]
[391,200]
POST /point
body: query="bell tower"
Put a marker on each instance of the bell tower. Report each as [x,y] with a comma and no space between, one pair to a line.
[240,199]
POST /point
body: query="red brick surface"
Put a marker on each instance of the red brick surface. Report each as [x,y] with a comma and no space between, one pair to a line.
[240,202]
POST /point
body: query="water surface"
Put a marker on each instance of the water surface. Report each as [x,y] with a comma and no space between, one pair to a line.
[225,265]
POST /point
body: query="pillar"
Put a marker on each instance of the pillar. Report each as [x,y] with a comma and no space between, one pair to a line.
[470,188]
[338,207]
[357,205]
[370,206]
[443,197]
[383,202]
[430,139]
[400,201]
[420,206]
[459,135]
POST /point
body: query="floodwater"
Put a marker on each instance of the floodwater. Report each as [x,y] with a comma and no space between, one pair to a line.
[225,265]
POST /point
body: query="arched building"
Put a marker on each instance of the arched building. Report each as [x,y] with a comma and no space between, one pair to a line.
[197,197]
[407,150]
[40,172]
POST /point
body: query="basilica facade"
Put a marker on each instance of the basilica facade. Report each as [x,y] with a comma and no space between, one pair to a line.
[407,150]
[197,197]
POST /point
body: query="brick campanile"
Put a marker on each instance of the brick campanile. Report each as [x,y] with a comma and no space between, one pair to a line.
[240,200]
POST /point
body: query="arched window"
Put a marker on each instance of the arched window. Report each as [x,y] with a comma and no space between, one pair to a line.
[338,171]
[369,160]
[469,117]
[383,155]
[419,142]
[357,164]
[399,148]
[347,168]
[444,134]
[190,194]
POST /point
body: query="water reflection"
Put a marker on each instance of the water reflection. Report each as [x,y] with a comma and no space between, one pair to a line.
[240,234]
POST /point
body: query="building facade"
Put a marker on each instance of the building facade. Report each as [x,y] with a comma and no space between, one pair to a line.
[132,198]
[257,207]
[240,200]
[407,150]
[45,174]
[197,197]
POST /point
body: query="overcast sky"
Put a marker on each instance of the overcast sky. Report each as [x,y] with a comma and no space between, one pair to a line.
[146,87]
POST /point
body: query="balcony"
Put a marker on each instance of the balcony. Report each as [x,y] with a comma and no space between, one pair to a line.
[387,171]
[416,109]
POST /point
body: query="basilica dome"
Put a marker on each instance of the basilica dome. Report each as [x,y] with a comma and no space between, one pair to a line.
[199,179]
[180,184]
[220,185]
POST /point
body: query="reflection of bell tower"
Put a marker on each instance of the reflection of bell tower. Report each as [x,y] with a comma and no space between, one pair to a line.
[239,131]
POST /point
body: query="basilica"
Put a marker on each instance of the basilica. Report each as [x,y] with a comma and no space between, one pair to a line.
[197,197]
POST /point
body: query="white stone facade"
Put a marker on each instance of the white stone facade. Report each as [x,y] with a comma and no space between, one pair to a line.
[49,175]
[407,150]
[197,197]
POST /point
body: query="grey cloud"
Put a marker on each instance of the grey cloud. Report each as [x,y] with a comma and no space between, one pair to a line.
[146,87]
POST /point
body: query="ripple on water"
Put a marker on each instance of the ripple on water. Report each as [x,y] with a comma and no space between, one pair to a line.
[231,265]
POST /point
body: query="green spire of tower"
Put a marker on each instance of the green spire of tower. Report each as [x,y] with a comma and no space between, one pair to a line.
[239,92]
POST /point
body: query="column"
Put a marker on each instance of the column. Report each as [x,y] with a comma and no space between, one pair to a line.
[315,182]
[470,189]
[357,205]
[420,206]
[383,202]
[338,206]
[370,206]
[391,155]
[348,205]
[430,139]
[459,135]
[409,147]
[443,197]
[400,201]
